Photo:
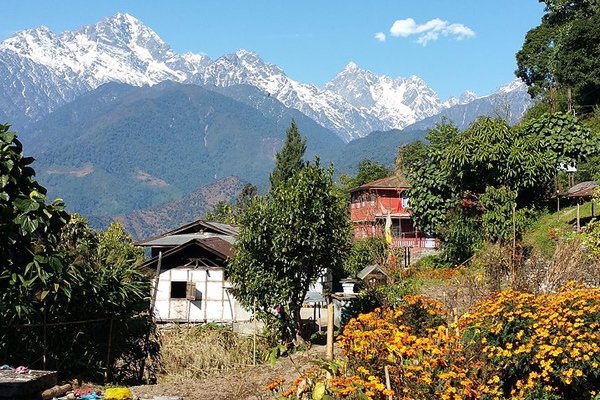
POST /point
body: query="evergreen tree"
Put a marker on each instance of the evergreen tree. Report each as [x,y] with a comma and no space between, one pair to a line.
[289,158]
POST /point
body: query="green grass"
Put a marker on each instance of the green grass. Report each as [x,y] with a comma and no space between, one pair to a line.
[550,225]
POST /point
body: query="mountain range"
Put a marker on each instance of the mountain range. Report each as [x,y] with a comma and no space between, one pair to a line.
[118,121]
[40,71]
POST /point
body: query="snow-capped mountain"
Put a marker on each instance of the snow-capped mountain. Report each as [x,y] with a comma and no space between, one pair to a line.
[40,71]
[509,102]
[467,97]
[396,102]
[326,107]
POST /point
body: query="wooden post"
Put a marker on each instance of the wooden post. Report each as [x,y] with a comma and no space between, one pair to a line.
[557,205]
[514,245]
[156,280]
[578,220]
[205,294]
[388,384]
[45,335]
[254,334]
[110,328]
[330,311]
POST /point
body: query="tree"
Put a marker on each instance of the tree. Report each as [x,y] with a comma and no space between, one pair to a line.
[31,272]
[365,252]
[229,214]
[367,171]
[287,239]
[431,193]
[562,51]
[249,191]
[289,158]
[221,212]
[481,173]
[56,270]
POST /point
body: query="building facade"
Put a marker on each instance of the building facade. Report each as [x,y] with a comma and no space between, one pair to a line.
[370,205]
[191,284]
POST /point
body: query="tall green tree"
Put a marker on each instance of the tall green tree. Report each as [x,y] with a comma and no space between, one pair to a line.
[289,158]
[56,270]
[31,273]
[562,51]
[368,171]
[480,174]
[287,239]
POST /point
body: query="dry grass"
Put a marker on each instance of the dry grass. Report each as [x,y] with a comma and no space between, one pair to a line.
[195,352]
[571,262]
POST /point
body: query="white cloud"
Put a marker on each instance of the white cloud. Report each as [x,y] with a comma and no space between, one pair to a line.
[380,36]
[430,30]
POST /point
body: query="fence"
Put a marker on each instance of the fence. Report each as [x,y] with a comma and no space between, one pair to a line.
[81,349]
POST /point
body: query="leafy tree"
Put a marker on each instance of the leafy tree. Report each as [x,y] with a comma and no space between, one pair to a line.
[287,239]
[56,270]
[249,191]
[289,158]
[410,155]
[489,163]
[32,273]
[431,192]
[367,171]
[562,51]
[221,212]
[229,214]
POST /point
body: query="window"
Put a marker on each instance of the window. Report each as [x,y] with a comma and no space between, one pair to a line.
[405,200]
[178,290]
[184,290]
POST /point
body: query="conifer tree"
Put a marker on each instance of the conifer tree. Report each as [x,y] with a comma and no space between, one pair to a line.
[289,159]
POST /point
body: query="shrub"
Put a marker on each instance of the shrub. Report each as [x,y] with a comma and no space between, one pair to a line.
[515,345]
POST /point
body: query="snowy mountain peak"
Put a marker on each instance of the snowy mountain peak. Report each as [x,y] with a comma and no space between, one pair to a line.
[515,84]
[351,67]
[467,96]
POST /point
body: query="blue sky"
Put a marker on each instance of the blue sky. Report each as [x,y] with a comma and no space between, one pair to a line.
[454,45]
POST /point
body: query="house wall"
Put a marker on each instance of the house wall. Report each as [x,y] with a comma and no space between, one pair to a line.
[364,205]
[212,302]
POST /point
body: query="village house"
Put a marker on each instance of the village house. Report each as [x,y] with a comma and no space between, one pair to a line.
[192,286]
[370,205]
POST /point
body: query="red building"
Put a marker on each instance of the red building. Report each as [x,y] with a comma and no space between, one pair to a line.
[370,205]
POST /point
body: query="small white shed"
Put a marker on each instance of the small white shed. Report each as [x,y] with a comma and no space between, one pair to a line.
[192,286]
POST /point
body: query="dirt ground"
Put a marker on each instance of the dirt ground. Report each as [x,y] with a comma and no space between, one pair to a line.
[244,384]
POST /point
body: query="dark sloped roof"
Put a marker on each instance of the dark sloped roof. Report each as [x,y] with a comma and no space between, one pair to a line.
[368,269]
[390,182]
[583,189]
[219,248]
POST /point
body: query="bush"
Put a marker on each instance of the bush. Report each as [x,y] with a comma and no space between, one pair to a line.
[513,346]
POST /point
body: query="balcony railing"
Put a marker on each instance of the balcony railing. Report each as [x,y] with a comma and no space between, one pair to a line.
[416,242]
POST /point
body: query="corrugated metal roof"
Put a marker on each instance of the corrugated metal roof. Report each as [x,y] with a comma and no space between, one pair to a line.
[220,245]
[583,189]
[390,182]
[198,226]
[176,240]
